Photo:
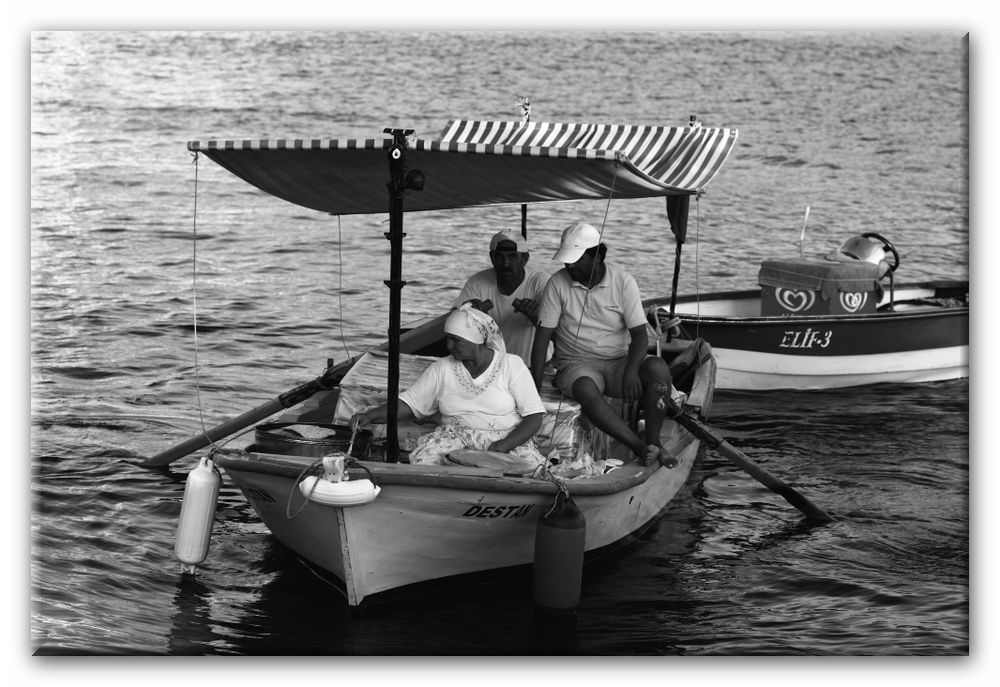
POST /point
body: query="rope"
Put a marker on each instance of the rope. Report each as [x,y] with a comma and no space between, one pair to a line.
[563,492]
[543,472]
[227,451]
[194,305]
[340,285]
[697,245]
[629,410]
[216,447]
[352,461]
[295,487]
[593,267]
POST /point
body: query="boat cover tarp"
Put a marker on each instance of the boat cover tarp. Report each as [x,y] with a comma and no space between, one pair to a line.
[476,163]
[825,277]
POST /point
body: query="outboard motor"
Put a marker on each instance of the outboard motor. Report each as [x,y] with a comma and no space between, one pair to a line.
[862,248]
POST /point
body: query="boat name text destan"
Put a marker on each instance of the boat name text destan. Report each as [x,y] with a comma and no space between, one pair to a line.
[498,511]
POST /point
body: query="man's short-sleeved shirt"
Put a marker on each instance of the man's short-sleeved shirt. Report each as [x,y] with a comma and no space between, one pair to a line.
[518,331]
[591,324]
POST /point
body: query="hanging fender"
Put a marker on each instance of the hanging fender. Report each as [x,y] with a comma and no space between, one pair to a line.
[194,527]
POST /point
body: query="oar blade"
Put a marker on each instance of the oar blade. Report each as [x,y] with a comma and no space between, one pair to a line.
[742,461]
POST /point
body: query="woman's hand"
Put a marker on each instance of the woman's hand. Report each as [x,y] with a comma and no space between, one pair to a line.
[359,420]
[377,415]
[524,430]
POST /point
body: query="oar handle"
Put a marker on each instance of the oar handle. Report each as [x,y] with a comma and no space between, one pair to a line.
[221,431]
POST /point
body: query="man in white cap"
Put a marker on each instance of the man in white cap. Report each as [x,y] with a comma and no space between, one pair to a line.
[594,314]
[513,290]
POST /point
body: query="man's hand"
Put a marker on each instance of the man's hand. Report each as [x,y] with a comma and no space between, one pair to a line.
[527,307]
[631,386]
[482,306]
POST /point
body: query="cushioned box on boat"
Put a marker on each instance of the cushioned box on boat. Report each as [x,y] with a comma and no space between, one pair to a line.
[801,287]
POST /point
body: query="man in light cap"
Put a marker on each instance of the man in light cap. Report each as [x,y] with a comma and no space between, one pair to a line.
[512,290]
[594,314]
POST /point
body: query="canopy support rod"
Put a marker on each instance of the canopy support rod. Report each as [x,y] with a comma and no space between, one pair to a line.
[677,214]
[397,187]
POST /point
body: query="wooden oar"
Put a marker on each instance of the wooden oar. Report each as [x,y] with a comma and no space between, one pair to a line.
[286,400]
[692,424]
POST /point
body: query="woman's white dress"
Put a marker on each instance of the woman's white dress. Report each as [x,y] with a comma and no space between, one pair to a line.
[474,412]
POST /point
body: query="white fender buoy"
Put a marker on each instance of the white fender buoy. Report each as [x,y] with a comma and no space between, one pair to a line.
[356,492]
[194,529]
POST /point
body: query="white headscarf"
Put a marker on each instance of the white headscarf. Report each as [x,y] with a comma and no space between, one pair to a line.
[476,326]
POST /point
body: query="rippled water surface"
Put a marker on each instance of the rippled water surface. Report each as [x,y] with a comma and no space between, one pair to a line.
[866,129]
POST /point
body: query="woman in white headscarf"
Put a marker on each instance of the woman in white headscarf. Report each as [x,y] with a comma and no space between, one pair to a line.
[487,399]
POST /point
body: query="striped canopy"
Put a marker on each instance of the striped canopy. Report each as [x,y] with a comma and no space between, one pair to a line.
[476,163]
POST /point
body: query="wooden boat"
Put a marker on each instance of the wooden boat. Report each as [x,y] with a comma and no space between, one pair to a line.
[431,522]
[420,523]
[834,322]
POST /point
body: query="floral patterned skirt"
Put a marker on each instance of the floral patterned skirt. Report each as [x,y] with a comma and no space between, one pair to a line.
[432,448]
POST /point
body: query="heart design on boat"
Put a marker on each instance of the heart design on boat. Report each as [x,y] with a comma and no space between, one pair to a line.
[794,300]
[853,302]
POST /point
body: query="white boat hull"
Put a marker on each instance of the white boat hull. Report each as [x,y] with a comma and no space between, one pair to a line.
[475,520]
[739,369]
[432,522]
[918,341]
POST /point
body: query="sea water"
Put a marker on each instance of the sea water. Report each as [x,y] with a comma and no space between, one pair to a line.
[133,239]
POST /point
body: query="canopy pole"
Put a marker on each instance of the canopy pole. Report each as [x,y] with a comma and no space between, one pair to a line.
[524,220]
[677,214]
[399,180]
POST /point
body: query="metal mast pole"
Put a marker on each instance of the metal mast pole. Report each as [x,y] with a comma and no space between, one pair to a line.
[400,179]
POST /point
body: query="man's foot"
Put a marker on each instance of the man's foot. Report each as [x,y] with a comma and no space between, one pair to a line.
[658,453]
[666,403]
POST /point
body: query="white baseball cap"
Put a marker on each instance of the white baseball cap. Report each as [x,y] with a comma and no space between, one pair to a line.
[576,239]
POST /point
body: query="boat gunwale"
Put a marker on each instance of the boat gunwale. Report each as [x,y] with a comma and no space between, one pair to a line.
[744,293]
[458,477]
[929,310]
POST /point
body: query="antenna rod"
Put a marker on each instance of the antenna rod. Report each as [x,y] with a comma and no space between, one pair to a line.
[802,237]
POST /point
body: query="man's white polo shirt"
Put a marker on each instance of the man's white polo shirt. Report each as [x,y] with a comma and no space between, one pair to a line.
[591,324]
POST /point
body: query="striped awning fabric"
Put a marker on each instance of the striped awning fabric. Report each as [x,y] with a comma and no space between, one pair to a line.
[476,163]
[683,158]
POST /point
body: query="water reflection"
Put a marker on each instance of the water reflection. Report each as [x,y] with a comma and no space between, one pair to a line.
[191,632]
